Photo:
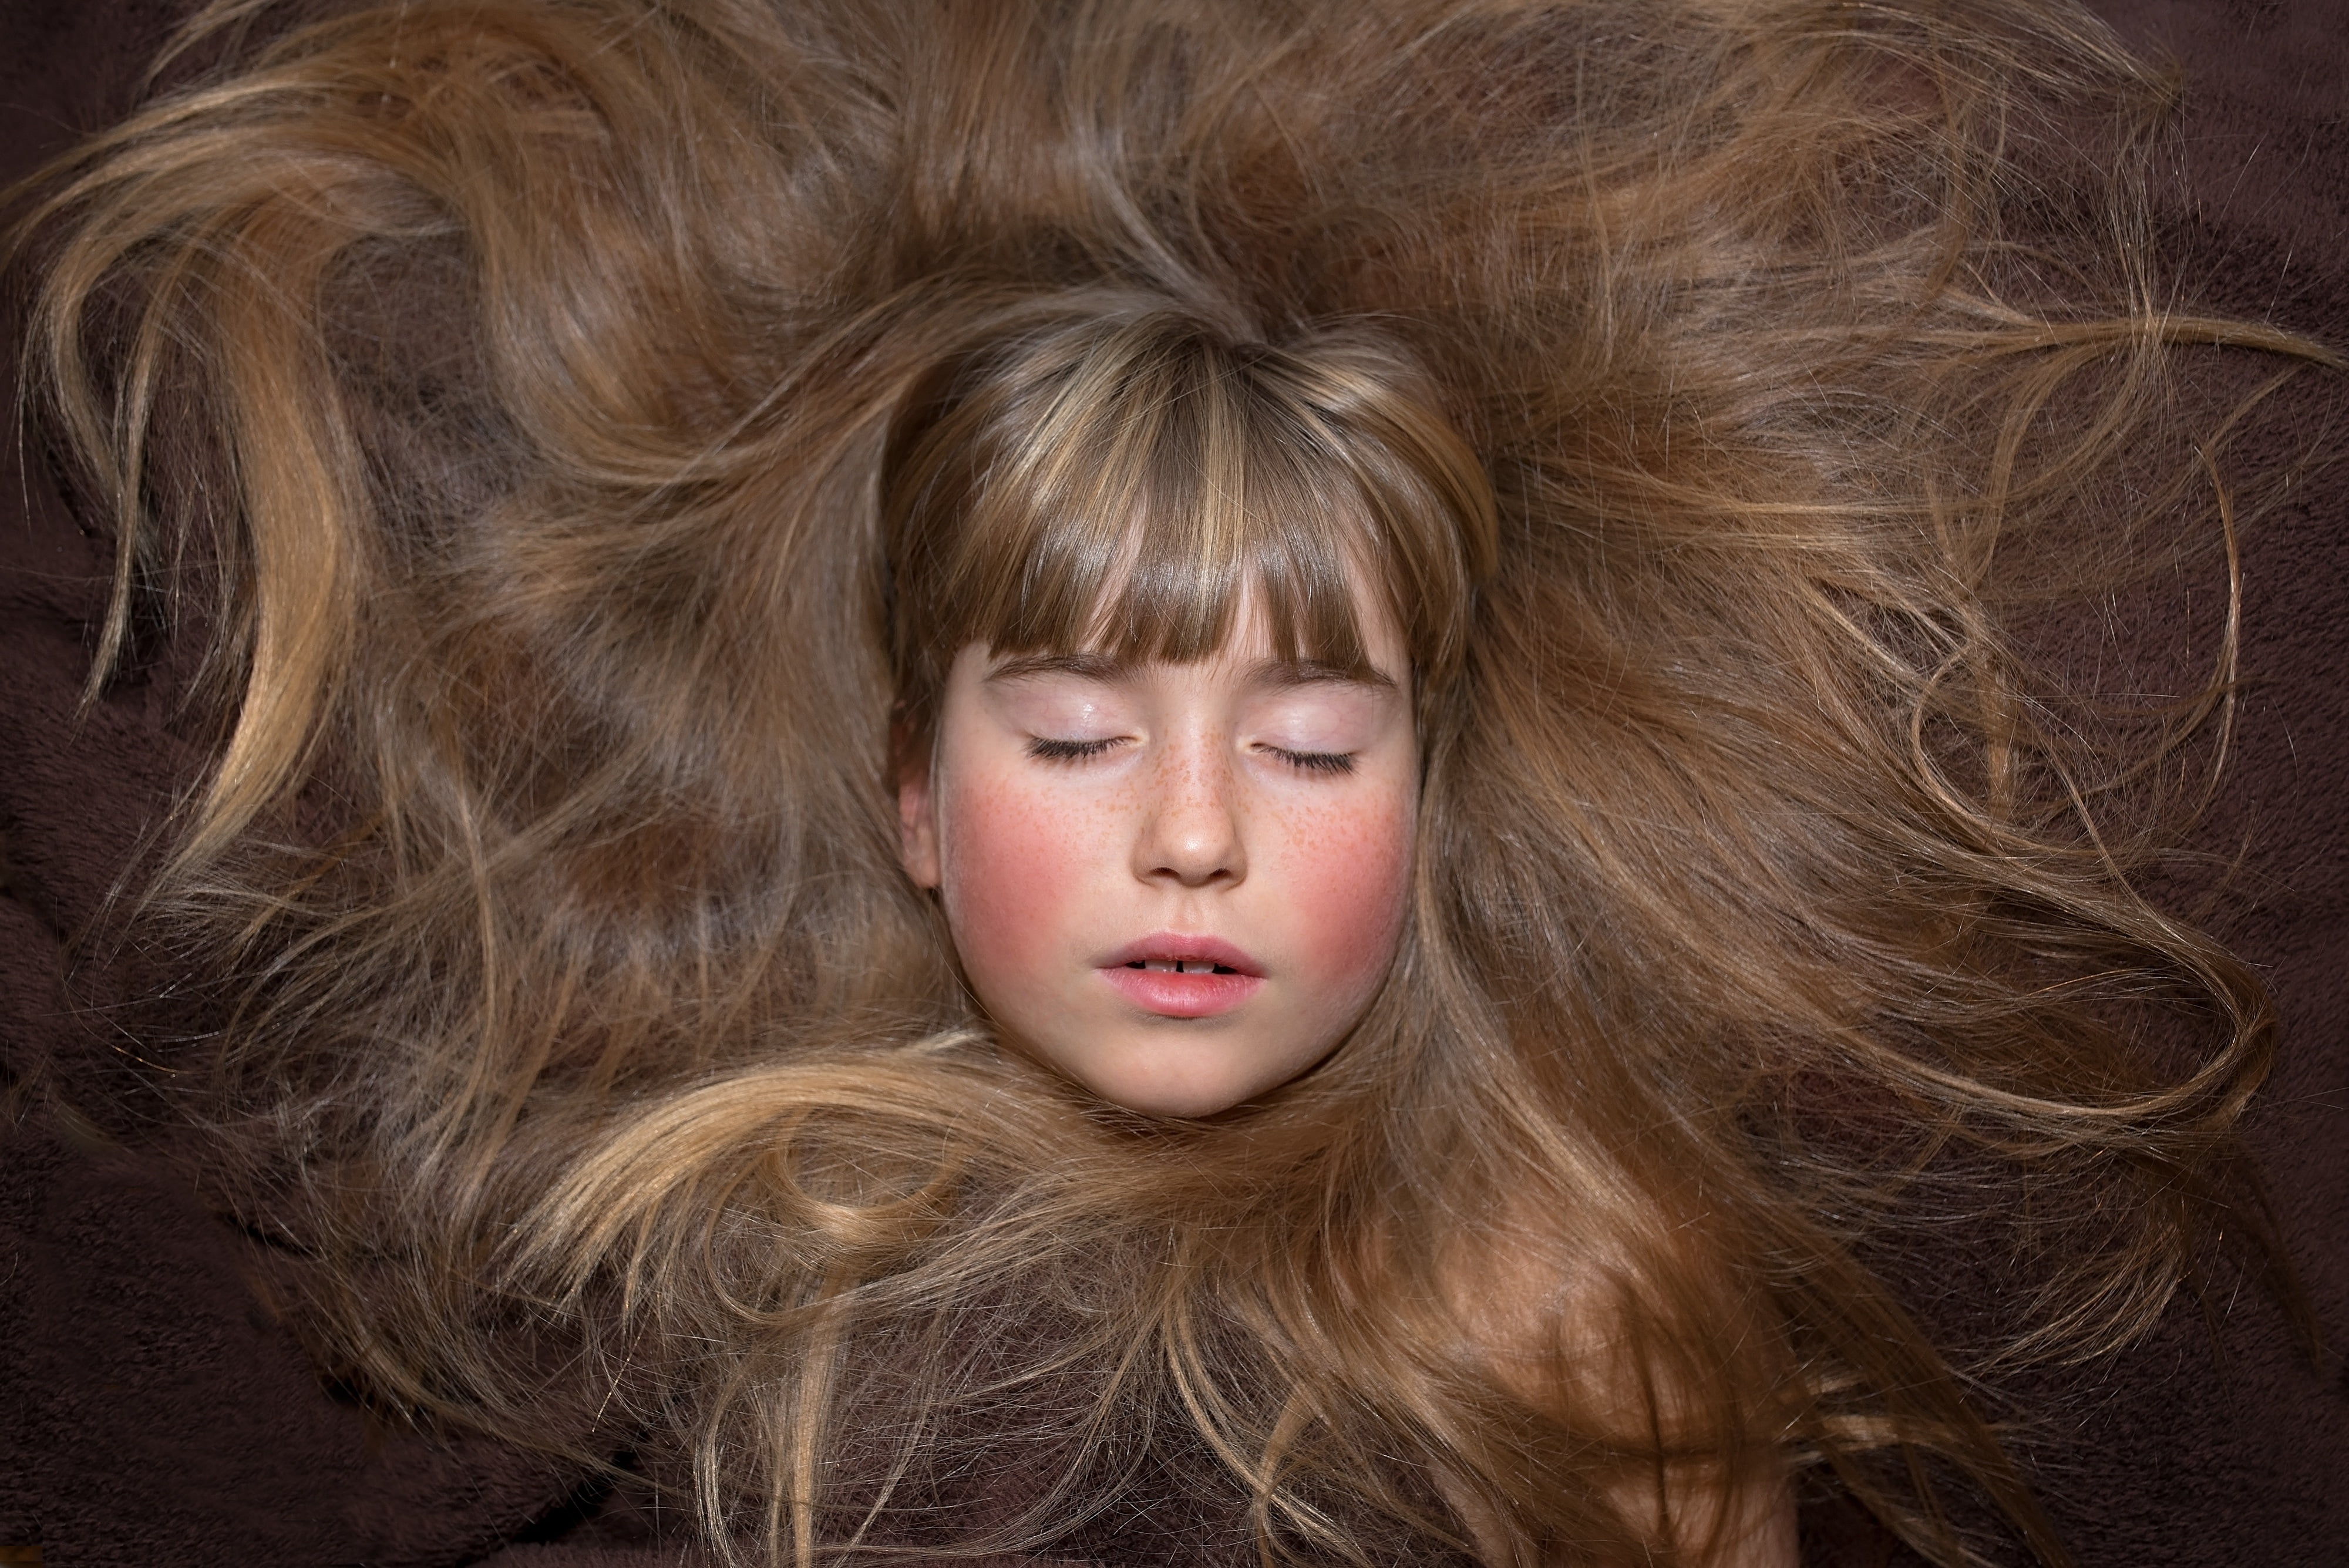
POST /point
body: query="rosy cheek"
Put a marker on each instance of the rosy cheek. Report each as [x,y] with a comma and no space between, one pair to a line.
[1351,874]
[1009,871]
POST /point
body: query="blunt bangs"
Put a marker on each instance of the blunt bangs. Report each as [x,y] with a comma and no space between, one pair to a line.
[1123,483]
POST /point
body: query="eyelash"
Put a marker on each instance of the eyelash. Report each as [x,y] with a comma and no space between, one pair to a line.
[1051,750]
[1066,751]
[1315,762]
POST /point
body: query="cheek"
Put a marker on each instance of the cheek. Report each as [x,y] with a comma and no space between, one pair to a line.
[1349,874]
[1009,870]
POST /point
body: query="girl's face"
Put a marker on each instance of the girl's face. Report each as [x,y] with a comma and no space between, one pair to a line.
[1177,884]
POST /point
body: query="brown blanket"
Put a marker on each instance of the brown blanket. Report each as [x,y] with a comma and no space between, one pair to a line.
[151,1412]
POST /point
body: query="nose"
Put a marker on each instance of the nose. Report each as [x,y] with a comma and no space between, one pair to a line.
[1191,831]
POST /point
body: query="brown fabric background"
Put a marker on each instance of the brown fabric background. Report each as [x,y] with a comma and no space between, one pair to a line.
[152,1413]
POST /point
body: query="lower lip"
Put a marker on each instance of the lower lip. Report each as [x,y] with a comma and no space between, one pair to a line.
[1170,995]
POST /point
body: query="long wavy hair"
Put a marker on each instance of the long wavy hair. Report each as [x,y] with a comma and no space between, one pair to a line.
[578,432]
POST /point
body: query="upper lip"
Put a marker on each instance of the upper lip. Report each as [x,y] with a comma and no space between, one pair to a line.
[1164,945]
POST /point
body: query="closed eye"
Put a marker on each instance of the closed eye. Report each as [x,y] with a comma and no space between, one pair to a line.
[1315,762]
[1053,751]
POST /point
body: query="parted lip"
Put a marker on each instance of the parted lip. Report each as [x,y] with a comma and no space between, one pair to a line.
[1168,945]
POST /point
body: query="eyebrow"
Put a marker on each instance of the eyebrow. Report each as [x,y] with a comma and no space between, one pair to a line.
[1278,673]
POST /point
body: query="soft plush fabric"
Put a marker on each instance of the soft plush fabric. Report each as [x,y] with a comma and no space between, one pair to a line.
[152,1412]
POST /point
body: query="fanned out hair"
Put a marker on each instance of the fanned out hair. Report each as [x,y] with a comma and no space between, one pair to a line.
[581,431]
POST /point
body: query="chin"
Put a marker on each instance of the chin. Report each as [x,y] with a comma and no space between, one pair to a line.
[1185,1095]
[1162,1100]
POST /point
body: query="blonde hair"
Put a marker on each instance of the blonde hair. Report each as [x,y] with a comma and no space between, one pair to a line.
[600,419]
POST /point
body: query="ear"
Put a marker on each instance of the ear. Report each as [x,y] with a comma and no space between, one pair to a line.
[917,825]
